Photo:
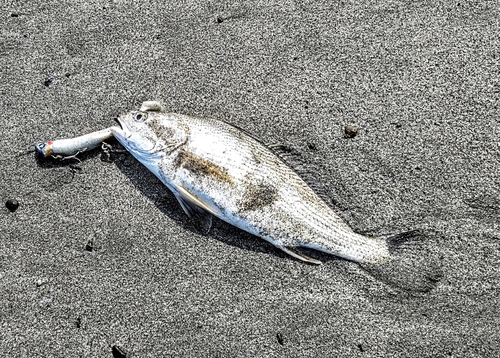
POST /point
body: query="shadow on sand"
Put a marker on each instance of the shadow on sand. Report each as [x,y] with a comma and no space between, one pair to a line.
[151,187]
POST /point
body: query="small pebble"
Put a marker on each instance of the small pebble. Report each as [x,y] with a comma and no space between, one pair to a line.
[78,322]
[12,205]
[45,302]
[48,81]
[350,131]
[279,337]
[219,19]
[90,245]
[118,352]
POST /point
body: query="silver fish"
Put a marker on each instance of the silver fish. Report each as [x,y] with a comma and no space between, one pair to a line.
[214,168]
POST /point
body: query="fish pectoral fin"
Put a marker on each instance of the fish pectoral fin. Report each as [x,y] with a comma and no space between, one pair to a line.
[198,210]
[293,251]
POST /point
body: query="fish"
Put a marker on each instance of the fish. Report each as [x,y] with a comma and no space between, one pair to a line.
[216,169]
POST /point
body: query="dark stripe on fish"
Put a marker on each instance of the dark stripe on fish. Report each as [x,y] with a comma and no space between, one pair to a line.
[201,167]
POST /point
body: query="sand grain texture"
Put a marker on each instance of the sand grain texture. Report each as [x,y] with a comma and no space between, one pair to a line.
[421,81]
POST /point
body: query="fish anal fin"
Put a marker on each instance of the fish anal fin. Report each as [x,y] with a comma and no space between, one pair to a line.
[294,252]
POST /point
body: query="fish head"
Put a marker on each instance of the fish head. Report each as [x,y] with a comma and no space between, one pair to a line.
[148,133]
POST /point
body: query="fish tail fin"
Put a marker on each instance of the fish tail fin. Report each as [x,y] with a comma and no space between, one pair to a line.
[411,266]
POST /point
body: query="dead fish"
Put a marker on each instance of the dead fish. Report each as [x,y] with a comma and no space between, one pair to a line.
[216,169]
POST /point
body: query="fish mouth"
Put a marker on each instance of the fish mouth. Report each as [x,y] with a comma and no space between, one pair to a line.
[125,132]
[120,123]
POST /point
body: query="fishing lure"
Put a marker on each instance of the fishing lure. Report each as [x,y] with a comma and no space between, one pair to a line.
[69,148]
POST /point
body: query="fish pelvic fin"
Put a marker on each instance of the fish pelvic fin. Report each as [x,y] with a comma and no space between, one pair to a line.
[192,201]
[200,212]
[293,251]
[411,265]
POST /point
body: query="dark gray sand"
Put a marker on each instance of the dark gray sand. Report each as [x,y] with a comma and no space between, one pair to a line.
[421,81]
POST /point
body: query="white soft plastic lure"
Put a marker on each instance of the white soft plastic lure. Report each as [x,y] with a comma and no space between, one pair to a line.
[71,147]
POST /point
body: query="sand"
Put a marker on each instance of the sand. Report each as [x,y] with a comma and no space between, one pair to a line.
[420,80]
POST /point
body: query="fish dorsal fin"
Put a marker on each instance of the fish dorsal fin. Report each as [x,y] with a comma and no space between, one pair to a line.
[291,157]
[151,106]
[293,251]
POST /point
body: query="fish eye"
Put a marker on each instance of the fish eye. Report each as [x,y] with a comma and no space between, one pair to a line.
[140,116]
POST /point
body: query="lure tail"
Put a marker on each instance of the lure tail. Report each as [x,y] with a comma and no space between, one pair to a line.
[411,266]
